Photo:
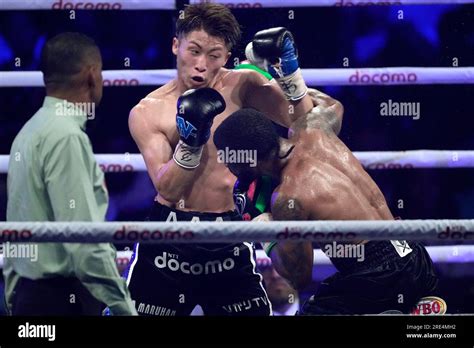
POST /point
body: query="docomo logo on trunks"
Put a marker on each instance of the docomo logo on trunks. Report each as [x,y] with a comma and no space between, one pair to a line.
[78,5]
[214,266]
[386,77]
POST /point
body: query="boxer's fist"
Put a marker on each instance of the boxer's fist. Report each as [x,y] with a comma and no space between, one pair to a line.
[277,46]
[263,217]
[196,111]
[275,50]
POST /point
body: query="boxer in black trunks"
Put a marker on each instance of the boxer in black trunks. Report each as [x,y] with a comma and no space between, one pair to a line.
[183,163]
[320,179]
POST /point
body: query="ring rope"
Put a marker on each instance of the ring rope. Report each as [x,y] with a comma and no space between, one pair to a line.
[237,231]
[313,77]
[126,162]
[171,4]
[438,254]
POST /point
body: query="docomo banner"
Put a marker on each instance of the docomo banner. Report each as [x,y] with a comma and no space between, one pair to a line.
[87,4]
[236,231]
[112,78]
[388,76]
[416,159]
[120,163]
[314,3]
[313,77]
[117,163]
[171,4]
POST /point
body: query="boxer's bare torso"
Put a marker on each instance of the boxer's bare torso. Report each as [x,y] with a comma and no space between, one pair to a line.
[320,179]
[325,179]
[213,183]
[152,123]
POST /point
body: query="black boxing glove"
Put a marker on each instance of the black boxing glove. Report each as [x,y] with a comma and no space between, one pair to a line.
[275,51]
[196,111]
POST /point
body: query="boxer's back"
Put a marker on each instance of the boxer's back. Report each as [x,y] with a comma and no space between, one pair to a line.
[212,188]
[329,180]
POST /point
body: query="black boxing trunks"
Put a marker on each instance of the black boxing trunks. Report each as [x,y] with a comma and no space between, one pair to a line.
[171,279]
[392,276]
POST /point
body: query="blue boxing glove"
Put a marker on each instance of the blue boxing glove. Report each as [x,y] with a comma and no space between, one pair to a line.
[196,111]
[274,50]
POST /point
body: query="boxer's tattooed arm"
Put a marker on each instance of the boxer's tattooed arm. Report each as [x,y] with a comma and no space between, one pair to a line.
[292,260]
[267,97]
[326,115]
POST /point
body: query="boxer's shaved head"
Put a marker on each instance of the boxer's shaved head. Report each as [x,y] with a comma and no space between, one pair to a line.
[248,129]
[215,19]
[65,55]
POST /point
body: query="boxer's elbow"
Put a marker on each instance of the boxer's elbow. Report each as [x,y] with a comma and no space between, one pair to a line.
[299,279]
[294,262]
[302,278]
[167,192]
[163,190]
[337,111]
[165,184]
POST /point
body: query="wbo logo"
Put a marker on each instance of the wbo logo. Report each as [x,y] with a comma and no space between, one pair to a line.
[185,128]
[430,305]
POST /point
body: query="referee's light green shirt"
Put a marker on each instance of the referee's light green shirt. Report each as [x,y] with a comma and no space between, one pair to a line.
[53,176]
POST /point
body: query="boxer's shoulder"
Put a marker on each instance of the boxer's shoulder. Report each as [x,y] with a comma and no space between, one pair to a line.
[156,107]
[159,98]
[245,77]
[295,189]
[238,78]
[288,203]
[225,78]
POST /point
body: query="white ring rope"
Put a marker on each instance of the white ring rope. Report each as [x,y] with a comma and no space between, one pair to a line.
[311,3]
[236,231]
[438,254]
[171,4]
[313,77]
[114,163]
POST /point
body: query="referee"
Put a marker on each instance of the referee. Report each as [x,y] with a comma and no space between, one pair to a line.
[53,176]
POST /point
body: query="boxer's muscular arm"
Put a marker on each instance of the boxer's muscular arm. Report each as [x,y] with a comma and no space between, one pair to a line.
[327,110]
[267,97]
[169,179]
[292,260]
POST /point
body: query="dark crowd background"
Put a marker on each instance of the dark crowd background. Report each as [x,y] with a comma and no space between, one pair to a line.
[369,36]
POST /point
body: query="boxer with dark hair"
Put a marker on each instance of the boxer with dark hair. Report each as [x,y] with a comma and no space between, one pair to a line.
[172,127]
[320,179]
